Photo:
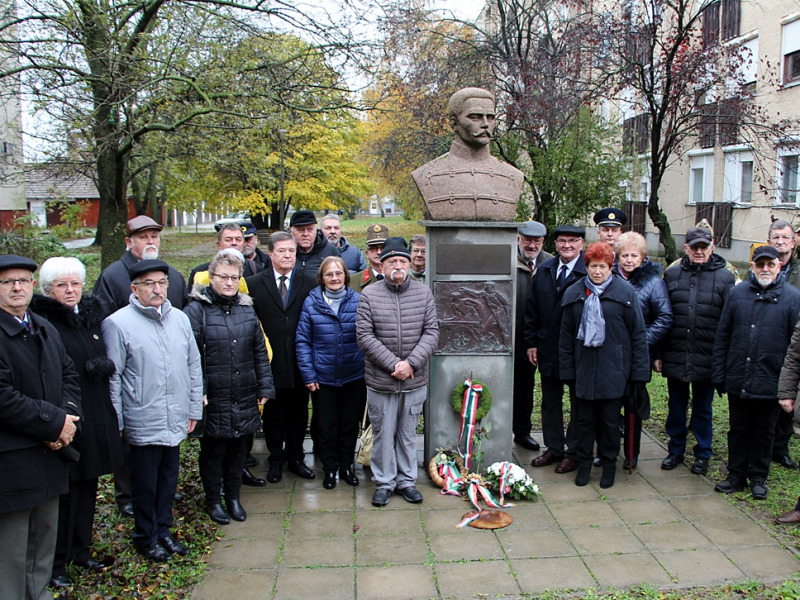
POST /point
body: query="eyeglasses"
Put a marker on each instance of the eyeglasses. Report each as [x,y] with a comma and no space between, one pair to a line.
[10,283]
[149,284]
[568,241]
[418,251]
[68,284]
[333,274]
[231,278]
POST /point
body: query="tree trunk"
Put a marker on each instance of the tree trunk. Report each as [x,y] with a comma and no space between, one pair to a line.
[112,183]
[662,223]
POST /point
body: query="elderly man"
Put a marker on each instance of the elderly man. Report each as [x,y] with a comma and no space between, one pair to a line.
[416,246]
[257,258]
[352,257]
[278,294]
[754,331]
[397,330]
[530,236]
[609,223]
[541,331]
[143,243]
[157,391]
[781,237]
[40,404]
[376,237]
[697,286]
[312,246]
[230,235]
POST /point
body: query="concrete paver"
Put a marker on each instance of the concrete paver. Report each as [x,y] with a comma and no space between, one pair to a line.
[663,528]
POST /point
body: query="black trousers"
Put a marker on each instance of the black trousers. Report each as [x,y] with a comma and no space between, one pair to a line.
[752,428]
[122,475]
[784,428]
[598,420]
[285,418]
[555,438]
[524,377]
[222,459]
[154,475]
[339,419]
[75,521]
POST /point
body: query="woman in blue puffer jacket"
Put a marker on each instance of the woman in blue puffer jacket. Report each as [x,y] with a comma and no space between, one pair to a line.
[332,365]
[645,277]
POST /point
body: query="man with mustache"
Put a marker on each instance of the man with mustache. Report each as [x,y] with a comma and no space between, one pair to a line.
[157,392]
[754,332]
[113,288]
[397,330]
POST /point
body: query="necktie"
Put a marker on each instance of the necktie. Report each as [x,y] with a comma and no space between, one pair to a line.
[530,265]
[283,289]
[562,277]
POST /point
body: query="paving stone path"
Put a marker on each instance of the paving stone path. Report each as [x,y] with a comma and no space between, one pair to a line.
[663,528]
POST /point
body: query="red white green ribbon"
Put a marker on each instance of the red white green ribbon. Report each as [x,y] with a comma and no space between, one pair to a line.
[469,410]
[476,492]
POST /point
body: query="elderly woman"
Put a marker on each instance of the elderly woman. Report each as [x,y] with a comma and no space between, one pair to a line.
[645,277]
[77,318]
[332,365]
[602,347]
[237,378]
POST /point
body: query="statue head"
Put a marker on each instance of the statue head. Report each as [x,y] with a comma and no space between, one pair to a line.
[471,114]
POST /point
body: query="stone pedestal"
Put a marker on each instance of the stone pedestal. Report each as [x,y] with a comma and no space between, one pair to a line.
[471,269]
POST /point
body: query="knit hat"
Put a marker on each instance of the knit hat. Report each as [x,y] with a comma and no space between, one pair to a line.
[395,246]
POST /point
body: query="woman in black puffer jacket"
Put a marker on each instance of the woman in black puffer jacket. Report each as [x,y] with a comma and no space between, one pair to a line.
[645,277]
[237,378]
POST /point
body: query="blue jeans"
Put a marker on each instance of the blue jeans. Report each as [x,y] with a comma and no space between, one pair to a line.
[701,397]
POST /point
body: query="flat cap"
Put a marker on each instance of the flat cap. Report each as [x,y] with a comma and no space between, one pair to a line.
[698,235]
[141,223]
[12,261]
[303,217]
[765,252]
[610,217]
[532,229]
[377,234]
[148,266]
[395,246]
[569,230]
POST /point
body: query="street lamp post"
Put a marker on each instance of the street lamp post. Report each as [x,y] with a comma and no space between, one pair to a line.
[281,133]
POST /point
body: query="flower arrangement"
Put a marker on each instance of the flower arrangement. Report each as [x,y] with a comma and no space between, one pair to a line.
[517,483]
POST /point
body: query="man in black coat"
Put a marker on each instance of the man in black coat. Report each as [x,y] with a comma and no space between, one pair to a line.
[258,259]
[113,288]
[40,404]
[230,235]
[312,246]
[278,294]
[542,329]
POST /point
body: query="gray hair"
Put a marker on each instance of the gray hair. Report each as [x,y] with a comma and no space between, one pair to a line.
[279,236]
[229,227]
[58,267]
[229,256]
[416,239]
[333,216]
[778,224]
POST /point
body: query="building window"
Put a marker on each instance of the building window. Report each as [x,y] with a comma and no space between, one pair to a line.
[787,177]
[697,184]
[730,19]
[701,178]
[720,21]
[790,50]
[636,134]
[738,182]
[711,24]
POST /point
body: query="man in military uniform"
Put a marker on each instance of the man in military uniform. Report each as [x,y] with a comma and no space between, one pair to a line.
[376,237]
[609,223]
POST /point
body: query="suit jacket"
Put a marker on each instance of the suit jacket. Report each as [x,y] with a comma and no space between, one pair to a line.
[280,322]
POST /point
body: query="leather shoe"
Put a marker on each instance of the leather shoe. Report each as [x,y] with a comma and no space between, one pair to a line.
[526,441]
[729,486]
[758,490]
[218,514]
[125,508]
[567,465]
[235,509]
[92,564]
[410,494]
[786,462]
[61,581]
[299,468]
[700,466]
[249,479]
[381,497]
[348,476]
[789,518]
[250,461]
[275,473]
[671,461]
[545,459]
[173,546]
[153,551]
[330,480]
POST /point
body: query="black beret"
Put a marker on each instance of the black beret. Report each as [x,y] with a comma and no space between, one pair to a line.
[12,261]
[148,266]
[569,230]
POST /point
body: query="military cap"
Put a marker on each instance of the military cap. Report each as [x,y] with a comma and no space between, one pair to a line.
[610,217]
[377,234]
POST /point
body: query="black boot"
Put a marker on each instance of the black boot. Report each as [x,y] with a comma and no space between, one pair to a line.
[217,514]
[607,478]
[582,478]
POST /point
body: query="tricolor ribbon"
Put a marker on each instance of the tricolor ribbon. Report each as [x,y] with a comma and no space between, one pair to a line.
[476,492]
[469,410]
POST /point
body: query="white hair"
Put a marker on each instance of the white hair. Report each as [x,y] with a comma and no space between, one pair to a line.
[58,267]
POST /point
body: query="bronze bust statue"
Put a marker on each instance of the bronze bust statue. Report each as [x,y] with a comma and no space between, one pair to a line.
[468,183]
